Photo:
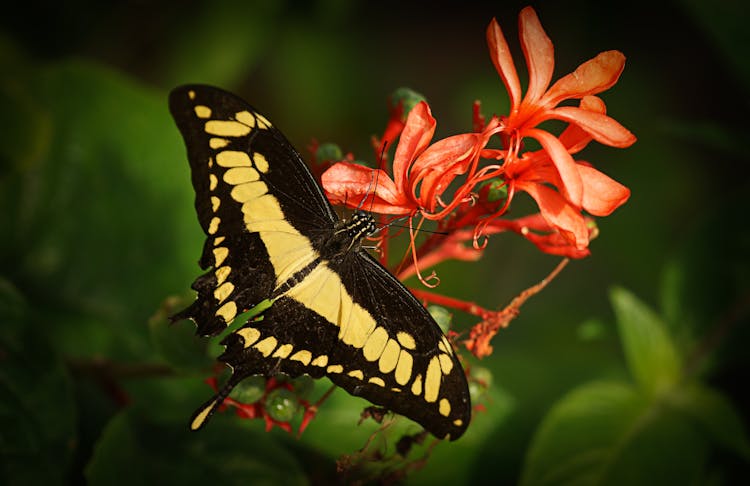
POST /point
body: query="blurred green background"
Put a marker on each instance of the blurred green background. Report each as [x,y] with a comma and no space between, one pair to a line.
[630,368]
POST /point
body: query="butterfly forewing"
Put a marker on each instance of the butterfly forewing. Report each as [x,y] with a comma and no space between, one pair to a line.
[336,312]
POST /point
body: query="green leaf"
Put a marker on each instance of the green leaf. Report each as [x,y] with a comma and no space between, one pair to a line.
[132,450]
[177,342]
[100,224]
[715,416]
[649,351]
[608,433]
[37,415]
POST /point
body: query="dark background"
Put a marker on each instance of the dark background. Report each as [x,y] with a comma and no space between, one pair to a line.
[98,228]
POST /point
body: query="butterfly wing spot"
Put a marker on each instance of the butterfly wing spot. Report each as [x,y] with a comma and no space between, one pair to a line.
[321,361]
[202,415]
[240,175]
[221,274]
[213,226]
[406,340]
[226,128]
[215,203]
[376,381]
[233,158]
[303,357]
[266,346]
[219,240]
[416,387]
[389,357]
[260,162]
[404,367]
[191,94]
[223,291]
[217,143]
[263,123]
[335,369]
[446,363]
[356,374]
[202,111]
[249,336]
[444,407]
[246,118]
[432,380]
[375,344]
[213,181]
[220,254]
[227,311]
[243,193]
[283,351]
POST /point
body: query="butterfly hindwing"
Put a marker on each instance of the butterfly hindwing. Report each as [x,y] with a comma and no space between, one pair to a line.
[336,312]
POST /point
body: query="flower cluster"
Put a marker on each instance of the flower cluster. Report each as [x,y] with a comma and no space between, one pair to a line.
[466,185]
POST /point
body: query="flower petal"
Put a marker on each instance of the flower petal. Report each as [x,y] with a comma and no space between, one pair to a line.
[602,128]
[539,53]
[574,138]
[355,185]
[601,194]
[572,187]
[559,214]
[417,133]
[592,77]
[503,61]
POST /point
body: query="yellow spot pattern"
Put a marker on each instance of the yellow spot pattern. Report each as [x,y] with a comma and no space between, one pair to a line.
[202,111]
[266,346]
[321,361]
[283,351]
[260,162]
[356,374]
[389,358]
[217,143]
[249,335]
[226,128]
[246,118]
[403,368]
[416,387]
[406,340]
[220,254]
[432,380]
[215,203]
[223,291]
[213,226]
[233,158]
[243,193]
[444,407]
[375,344]
[376,381]
[240,175]
[221,274]
[227,311]
[335,369]
[303,357]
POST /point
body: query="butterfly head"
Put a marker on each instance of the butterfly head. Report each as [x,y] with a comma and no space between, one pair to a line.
[360,225]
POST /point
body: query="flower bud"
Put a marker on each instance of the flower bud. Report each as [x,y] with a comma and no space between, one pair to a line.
[281,404]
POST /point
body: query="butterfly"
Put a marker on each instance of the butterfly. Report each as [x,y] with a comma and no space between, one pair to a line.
[333,310]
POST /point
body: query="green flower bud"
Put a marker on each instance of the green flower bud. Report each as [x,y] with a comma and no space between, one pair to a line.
[408,97]
[249,390]
[496,190]
[329,151]
[441,316]
[282,404]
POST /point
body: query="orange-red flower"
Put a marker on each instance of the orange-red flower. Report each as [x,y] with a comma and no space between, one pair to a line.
[576,185]
[421,172]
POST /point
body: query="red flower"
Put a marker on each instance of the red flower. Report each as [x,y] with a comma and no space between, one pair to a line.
[578,186]
[421,172]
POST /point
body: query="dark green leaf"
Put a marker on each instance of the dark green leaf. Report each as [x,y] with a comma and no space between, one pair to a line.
[607,433]
[37,416]
[716,416]
[649,351]
[135,451]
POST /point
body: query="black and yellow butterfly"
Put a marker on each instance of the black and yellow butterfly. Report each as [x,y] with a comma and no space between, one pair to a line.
[273,236]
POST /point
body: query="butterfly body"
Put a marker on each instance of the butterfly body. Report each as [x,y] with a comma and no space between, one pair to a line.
[273,236]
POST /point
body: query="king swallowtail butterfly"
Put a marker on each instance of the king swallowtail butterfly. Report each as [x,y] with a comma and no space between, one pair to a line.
[336,312]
